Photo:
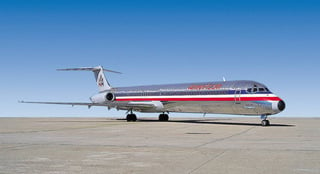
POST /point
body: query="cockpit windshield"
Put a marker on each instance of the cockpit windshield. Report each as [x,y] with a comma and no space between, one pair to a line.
[255,89]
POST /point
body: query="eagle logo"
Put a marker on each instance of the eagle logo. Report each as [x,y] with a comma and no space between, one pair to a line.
[100,81]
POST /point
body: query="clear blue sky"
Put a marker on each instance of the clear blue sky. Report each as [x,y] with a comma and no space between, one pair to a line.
[153,42]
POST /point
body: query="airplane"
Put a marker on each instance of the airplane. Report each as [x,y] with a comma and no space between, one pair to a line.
[240,97]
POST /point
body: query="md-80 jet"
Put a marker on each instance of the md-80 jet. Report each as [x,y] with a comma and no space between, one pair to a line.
[241,97]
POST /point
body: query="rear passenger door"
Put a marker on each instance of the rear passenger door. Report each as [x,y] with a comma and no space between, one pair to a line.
[237,96]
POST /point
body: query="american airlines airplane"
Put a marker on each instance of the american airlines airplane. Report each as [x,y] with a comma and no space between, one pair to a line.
[240,97]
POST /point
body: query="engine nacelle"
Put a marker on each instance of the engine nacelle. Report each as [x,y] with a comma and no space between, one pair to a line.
[103,97]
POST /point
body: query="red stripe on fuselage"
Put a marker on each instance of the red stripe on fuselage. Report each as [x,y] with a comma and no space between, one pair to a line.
[203,99]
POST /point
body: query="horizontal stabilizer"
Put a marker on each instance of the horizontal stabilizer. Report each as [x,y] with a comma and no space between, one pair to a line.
[99,75]
[88,69]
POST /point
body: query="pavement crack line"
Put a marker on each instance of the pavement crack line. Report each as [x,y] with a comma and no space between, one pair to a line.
[225,138]
[14,147]
[206,162]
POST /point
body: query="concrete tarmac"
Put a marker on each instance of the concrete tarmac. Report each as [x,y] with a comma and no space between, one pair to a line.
[201,145]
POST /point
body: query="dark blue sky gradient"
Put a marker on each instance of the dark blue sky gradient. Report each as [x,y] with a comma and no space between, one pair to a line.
[154,42]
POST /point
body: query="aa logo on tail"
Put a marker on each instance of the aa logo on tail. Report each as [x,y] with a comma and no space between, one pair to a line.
[100,81]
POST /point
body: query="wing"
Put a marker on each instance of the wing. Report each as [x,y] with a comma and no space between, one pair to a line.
[65,103]
[152,106]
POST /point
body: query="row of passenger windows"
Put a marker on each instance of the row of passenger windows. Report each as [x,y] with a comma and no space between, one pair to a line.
[255,89]
[172,93]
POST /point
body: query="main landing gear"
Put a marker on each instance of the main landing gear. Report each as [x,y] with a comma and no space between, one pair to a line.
[264,121]
[163,117]
[131,117]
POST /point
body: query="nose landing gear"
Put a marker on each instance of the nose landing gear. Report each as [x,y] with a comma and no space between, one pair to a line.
[264,121]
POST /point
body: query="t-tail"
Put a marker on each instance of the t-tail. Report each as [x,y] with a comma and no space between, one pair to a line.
[99,75]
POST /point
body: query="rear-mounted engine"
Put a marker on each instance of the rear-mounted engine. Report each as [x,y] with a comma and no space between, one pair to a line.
[110,97]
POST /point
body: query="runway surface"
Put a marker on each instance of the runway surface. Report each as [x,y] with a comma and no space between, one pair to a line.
[215,145]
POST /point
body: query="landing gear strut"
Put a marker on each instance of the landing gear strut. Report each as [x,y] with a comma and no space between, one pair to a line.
[131,117]
[163,117]
[264,121]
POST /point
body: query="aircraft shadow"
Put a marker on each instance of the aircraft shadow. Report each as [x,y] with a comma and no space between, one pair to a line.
[218,122]
[193,121]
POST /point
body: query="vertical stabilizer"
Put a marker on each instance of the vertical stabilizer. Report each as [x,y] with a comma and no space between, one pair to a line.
[99,75]
[101,80]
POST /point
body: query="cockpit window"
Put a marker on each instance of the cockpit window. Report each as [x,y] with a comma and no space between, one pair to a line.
[255,89]
[252,90]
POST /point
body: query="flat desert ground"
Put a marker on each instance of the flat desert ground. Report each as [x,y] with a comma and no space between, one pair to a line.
[197,145]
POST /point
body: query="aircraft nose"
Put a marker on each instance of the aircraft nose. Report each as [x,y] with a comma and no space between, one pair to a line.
[281,105]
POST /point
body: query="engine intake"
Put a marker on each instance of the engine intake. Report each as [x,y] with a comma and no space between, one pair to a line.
[110,97]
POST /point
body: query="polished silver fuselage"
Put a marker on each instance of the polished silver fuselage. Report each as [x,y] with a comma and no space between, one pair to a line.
[225,97]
